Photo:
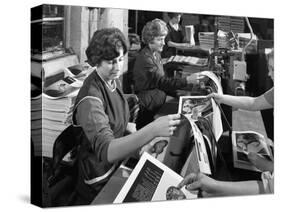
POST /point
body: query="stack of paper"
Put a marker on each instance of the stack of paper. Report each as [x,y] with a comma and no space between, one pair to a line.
[36,124]
[224,23]
[56,116]
[189,60]
[49,117]
[237,24]
[231,23]
[206,39]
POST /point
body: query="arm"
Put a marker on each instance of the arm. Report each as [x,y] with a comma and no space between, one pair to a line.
[243,102]
[156,79]
[240,188]
[95,123]
[211,187]
[178,45]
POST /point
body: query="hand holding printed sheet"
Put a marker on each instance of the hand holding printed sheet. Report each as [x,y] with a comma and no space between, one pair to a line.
[250,151]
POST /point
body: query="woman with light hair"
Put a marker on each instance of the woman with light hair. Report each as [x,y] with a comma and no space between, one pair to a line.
[150,83]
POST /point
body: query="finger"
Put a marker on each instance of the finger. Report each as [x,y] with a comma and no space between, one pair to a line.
[193,186]
[171,130]
[174,122]
[211,95]
[174,116]
[205,194]
[187,180]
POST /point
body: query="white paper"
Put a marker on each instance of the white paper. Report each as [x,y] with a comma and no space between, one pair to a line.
[195,106]
[202,155]
[150,181]
[244,142]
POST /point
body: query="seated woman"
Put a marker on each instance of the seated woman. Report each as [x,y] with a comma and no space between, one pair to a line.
[102,112]
[150,83]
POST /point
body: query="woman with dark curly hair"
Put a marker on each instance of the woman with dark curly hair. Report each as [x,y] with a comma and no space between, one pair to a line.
[151,84]
[102,112]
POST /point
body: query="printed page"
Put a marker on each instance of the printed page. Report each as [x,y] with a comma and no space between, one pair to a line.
[193,107]
[201,151]
[151,180]
[244,142]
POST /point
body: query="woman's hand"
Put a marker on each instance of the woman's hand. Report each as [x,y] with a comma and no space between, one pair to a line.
[165,125]
[261,162]
[217,97]
[196,79]
[131,128]
[200,182]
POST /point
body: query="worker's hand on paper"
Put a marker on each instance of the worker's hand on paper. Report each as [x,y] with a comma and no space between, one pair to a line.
[200,182]
[196,79]
[146,148]
[217,97]
[165,125]
[260,162]
[185,46]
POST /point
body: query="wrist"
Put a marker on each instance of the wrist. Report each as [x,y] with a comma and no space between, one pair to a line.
[151,129]
[219,187]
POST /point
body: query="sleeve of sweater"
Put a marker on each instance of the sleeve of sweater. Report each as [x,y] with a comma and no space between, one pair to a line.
[91,116]
[159,81]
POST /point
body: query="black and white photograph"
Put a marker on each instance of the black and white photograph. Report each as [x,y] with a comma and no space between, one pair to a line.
[194,106]
[249,142]
[136,105]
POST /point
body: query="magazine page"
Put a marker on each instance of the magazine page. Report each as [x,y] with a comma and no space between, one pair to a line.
[151,180]
[214,83]
[189,60]
[201,151]
[193,107]
[244,142]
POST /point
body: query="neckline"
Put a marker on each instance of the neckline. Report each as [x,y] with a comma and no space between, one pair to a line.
[172,26]
[110,87]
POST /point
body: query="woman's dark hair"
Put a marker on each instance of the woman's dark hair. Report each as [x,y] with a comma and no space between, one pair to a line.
[172,15]
[153,29]
[105,45]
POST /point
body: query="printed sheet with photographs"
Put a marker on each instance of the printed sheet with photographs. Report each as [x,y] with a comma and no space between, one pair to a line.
[201,151]
[151,180]
[188,60]
[200,106]
[244,142]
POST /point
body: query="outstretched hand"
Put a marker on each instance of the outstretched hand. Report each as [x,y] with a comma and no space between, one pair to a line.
[200,182]
[260,162]
[196,79]
[166,125]
[217,97]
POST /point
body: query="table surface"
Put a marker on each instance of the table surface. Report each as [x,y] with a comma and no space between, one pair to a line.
[113,186]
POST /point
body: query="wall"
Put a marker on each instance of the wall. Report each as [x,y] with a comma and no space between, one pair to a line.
[82,22]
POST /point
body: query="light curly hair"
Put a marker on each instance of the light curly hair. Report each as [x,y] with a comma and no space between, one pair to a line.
[152,29]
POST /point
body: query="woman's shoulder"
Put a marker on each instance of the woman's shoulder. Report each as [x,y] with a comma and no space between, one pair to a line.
[145,56]
[92,86]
